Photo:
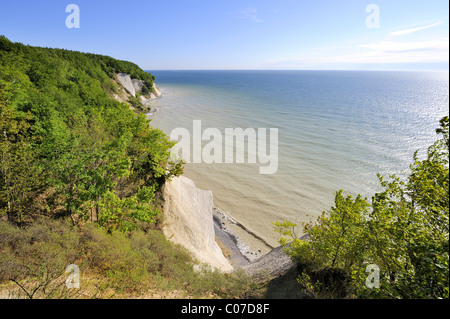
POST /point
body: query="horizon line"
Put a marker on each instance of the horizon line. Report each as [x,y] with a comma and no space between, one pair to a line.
[325,70]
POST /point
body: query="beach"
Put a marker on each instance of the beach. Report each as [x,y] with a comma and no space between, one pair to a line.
[238,244]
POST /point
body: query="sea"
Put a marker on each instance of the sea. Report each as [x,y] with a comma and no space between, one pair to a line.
[336,130]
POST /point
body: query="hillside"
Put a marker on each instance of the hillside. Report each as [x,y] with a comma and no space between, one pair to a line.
[80,182]
[83,184]
[68,147]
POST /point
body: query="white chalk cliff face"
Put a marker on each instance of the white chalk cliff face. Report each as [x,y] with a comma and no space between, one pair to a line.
[157,93]
[127,83]
[137,84]
[188,221]
[133,86]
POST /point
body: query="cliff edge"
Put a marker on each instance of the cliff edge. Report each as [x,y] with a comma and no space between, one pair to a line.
[130,87]
[188,221]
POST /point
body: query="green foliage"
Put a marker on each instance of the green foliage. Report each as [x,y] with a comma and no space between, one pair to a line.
[19,178]
[409,227]
[337,244]
[124,214]
[40,252]
[405,232]
[135,102]
[67,147]
[33,261]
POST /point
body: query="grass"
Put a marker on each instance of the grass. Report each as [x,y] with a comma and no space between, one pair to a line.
[137,264]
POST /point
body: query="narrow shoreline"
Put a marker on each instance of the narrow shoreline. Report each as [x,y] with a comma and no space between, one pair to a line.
[239,245]
[228,243]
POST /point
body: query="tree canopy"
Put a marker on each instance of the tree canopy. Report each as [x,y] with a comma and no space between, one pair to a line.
[67,148]
[403,233]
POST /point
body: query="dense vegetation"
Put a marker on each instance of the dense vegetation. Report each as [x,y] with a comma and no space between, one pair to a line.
[403,233]
[67,148]
[135,264]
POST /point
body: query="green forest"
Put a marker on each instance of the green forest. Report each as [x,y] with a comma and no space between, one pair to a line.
[80,182]
[68,148]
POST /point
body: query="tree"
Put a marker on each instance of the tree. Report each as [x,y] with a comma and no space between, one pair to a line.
[336,247]
[404,231]
[18,174]
[409,227]
[67,146]
[123,214]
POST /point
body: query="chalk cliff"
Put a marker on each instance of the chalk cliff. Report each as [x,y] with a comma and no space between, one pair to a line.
[127,83]
[188,221]
[135,85]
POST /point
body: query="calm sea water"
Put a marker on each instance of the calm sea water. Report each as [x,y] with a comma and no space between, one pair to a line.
[337,130]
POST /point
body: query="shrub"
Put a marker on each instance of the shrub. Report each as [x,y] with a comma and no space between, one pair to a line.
[404,232]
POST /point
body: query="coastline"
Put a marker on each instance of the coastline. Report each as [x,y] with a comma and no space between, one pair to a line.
[153,96]
[238,244]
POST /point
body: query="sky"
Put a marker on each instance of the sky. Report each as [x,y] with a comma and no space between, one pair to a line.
[242,34]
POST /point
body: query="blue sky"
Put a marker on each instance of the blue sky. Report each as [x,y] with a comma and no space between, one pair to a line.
[231,34]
